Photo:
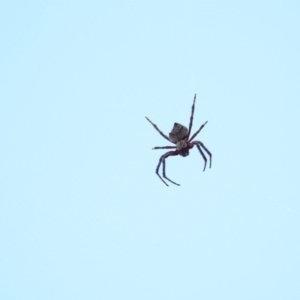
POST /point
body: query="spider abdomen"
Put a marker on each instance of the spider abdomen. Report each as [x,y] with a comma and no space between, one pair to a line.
[178,133]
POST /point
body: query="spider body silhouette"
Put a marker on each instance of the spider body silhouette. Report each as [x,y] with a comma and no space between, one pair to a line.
[180,136]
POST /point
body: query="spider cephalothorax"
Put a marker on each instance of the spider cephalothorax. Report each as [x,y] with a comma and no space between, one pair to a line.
[179,135]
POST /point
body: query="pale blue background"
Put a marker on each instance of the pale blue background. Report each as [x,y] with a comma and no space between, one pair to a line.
[82,213]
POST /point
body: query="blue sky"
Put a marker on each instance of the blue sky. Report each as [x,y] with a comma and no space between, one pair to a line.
[83,214]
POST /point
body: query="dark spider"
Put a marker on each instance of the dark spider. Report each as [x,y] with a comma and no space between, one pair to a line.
[180,136]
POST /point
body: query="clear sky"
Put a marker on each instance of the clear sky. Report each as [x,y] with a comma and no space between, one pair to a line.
[83,214]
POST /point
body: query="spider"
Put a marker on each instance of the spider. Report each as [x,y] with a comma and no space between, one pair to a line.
[180,136]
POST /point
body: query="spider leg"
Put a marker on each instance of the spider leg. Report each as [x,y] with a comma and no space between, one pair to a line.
[165,147]
[164,168]
[207,151]
[194,135]
[160,132]
[162,160]
[157,169]
[205,159]
[192,116]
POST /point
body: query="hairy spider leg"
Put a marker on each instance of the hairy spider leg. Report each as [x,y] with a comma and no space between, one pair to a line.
[165,147]
[201,152]
[160,132]
[207,151]
[194,135]
[162,160]
[157,169]
[192,117]
[164,165]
